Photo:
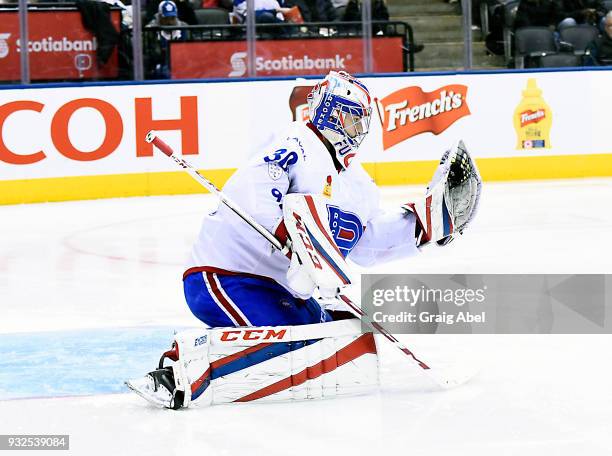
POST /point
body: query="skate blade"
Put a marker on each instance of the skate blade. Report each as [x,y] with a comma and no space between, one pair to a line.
[142,388]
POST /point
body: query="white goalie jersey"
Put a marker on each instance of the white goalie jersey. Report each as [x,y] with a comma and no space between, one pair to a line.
[299,163]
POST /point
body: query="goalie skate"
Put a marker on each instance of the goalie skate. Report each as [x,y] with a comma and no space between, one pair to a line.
[159,387]
[156,387]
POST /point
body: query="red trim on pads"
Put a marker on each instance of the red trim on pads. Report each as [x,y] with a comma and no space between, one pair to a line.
[195,385]
[362,345]
[227,359]
[223,361]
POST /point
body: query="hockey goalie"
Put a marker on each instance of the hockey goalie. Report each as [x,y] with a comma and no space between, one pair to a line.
[275,329]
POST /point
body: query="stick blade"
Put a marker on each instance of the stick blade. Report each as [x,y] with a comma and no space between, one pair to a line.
[450,378]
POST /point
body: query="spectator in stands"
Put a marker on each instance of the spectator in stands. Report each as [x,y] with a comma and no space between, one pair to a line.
[601,49]
[266,11]
[225,4]
[158,55]
[352,12]
[572,12]
[167,16]
[380,12]
[536,13]
[184,11]
[316,10]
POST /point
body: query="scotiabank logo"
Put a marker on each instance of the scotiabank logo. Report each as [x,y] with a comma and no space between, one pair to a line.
[65,140]
[48,45]
[287,63]
[238,62]
[63,44]
[410,111]
[4,46]
[253,334]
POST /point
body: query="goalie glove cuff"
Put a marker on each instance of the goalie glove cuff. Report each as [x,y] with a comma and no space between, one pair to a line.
[433,221]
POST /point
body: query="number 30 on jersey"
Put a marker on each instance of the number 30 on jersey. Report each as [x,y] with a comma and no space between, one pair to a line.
[283,158]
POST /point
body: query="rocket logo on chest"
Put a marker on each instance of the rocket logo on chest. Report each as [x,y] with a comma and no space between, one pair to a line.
[346,228]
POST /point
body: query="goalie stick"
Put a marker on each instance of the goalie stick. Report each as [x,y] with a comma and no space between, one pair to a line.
[444,381]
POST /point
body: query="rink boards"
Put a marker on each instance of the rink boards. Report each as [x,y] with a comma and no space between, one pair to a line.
[80,142]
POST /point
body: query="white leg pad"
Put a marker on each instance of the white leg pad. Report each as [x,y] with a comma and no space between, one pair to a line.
[275,363]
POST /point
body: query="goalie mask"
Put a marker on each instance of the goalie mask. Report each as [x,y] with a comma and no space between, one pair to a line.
[339,107]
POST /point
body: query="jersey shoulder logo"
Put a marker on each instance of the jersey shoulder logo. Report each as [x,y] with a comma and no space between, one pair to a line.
[274,171]
[280,161]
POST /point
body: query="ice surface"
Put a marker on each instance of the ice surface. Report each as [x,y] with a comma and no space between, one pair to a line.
[90,293]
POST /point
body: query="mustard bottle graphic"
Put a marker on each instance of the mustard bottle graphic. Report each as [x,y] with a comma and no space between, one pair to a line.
[532,119]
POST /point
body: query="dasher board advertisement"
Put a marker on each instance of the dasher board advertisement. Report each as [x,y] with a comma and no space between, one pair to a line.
[59,47]
[228,59]
[524,125]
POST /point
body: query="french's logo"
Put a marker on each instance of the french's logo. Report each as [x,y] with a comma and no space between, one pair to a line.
[410,111]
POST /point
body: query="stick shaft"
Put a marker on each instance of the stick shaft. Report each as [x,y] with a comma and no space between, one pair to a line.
[365,318]
[167,150]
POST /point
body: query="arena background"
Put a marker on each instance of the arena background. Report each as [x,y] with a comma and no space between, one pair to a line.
[89,139]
